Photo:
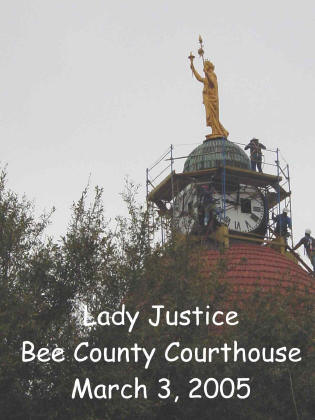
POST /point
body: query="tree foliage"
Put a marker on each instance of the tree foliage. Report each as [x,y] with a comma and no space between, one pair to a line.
[44,283]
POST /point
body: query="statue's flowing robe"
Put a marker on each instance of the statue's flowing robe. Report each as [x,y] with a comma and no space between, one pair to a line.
[211,103]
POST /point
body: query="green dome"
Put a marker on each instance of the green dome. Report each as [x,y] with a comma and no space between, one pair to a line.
[210,154]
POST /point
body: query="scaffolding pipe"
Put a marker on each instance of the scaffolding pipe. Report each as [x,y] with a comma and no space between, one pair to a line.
[161,172]
[160,159]
[224,180]
[147,181]
[278,174]
[290,203]
[224,185]
[172,182]
[148,208]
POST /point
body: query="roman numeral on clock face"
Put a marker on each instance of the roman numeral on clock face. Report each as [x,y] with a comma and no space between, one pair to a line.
[254,217]
[248,225]
[237,225]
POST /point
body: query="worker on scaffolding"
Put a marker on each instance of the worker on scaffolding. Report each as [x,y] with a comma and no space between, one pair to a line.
[283,223]
[309,246]
[255,149]
[207,207]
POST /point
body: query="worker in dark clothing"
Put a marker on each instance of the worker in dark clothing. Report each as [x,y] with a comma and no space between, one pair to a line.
[255,153]
[207,207]
[283,222]
[309,245]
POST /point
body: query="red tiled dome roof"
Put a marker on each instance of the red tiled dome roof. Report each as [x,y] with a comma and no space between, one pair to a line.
[249,266]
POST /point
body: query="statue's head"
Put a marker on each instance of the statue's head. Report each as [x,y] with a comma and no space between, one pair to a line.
[208,66]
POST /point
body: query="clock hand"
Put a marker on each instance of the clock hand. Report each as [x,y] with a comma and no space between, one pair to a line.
[232,202]
[254,196]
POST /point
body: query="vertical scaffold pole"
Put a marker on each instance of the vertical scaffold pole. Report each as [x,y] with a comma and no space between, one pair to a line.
[162,230]
[267,212]
[147,183]
[290,203]
[172,181]
[148,208]
[224,179]
[278,175]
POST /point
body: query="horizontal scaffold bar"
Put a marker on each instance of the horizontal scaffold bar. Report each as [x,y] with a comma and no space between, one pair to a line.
[163,192]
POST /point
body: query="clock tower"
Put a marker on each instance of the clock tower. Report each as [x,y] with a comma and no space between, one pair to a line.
[222,168]
[218,199]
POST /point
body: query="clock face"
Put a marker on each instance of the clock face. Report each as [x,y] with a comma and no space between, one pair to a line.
[186,209]
[244,209]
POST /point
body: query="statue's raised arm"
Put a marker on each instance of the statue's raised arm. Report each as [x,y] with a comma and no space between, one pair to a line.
[196,74]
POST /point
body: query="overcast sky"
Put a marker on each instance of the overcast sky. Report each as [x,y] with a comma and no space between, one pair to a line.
[104,87]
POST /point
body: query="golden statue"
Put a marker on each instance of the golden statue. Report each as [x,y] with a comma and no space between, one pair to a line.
[210,94]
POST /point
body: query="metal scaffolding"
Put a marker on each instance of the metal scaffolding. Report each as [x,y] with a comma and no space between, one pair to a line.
[162,190]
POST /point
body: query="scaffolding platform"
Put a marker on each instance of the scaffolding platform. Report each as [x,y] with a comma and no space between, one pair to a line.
[164,191]
[166,180]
